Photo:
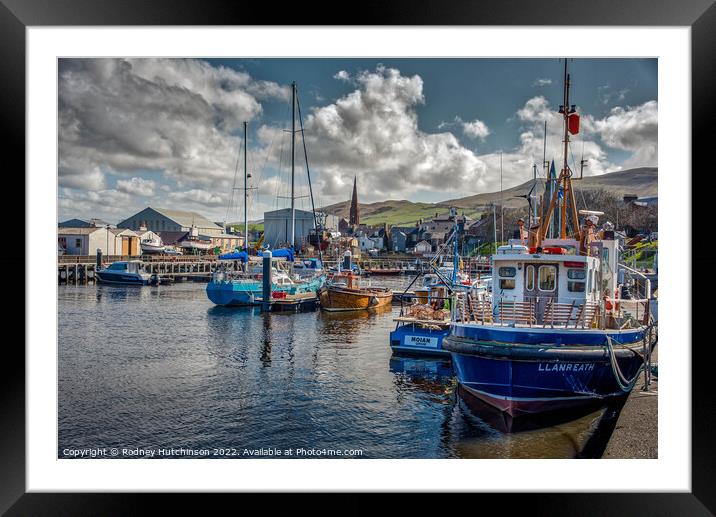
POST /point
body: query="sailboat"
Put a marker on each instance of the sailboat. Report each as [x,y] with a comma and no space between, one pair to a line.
[246,287]
[555,335]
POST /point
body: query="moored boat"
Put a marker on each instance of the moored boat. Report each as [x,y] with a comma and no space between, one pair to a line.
[555,335]
[125,272]
[244,288]
[343,292]
[152,245]
[421,328]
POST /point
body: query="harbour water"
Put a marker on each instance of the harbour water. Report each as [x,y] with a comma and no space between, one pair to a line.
[149,368]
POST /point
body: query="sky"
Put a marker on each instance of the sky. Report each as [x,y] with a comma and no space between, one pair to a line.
[168,133]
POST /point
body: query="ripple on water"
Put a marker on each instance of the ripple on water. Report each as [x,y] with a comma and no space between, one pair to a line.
[162,367]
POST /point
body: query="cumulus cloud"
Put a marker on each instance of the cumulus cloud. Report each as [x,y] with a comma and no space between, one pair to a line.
[199,197]
[542,82]
[137,186]
[630,128]
[373,132]
[475,129]
[171,116]
[342,75]
[108,204]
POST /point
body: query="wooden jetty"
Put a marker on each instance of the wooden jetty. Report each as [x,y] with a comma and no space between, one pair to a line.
[291,302]
[81,269]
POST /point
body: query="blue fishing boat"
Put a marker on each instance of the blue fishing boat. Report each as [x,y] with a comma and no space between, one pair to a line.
[422,327]
[555,334]
[413,336]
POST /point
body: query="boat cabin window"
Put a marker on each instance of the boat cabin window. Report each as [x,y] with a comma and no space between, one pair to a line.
[547,278]
[576,274]
[530,274]
[575,287]
[507,283]
[118,266]
[605,259]
[507,271]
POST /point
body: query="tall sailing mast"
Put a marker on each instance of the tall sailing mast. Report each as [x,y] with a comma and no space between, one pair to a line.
[293,163]
[246,192]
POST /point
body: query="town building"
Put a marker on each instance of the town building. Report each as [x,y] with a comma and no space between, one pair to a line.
[440,227]
[277,227]
[85,223]
[126,242]
[422,248]
[164,220]
[399,240]
[86,241]
[354,216]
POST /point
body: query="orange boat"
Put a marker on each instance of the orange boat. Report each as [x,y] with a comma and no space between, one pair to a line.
[343,292]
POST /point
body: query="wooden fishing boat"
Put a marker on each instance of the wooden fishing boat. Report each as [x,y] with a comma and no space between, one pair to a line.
[343,292]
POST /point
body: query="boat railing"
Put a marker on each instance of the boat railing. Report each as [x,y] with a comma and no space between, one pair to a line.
[525,313]
[621,312]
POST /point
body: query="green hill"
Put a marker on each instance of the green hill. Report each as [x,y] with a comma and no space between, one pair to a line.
[640,182]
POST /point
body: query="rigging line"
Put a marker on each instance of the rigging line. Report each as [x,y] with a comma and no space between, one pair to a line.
[233,187]
[278,175]
[269,154]
[308,170]
[574,162]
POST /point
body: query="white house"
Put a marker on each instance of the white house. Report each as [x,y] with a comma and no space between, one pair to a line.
[86,241]
[422,248]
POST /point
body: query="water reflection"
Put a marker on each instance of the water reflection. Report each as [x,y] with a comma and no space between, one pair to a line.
[200,374]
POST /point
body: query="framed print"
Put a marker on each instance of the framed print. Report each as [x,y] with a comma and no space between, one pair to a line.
[418,253]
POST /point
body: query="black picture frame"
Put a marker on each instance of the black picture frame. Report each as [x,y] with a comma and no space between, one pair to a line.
[699,15]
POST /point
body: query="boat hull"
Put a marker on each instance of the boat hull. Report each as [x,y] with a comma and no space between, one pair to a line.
[148,249]
[122,278]
[529,371]
[337,299]
[248,293]
[412,339]
[234,294]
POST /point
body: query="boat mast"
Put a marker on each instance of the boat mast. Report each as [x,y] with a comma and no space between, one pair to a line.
[545,168]
[246,193]
[533,215]
[502,206]
[565,166]
[293,161]
[564,177]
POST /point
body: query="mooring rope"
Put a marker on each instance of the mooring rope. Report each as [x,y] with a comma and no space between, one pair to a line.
[624,384]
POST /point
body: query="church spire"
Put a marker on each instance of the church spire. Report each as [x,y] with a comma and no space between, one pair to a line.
[354,217]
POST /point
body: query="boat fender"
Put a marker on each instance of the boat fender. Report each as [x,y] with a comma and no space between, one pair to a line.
[373,301]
